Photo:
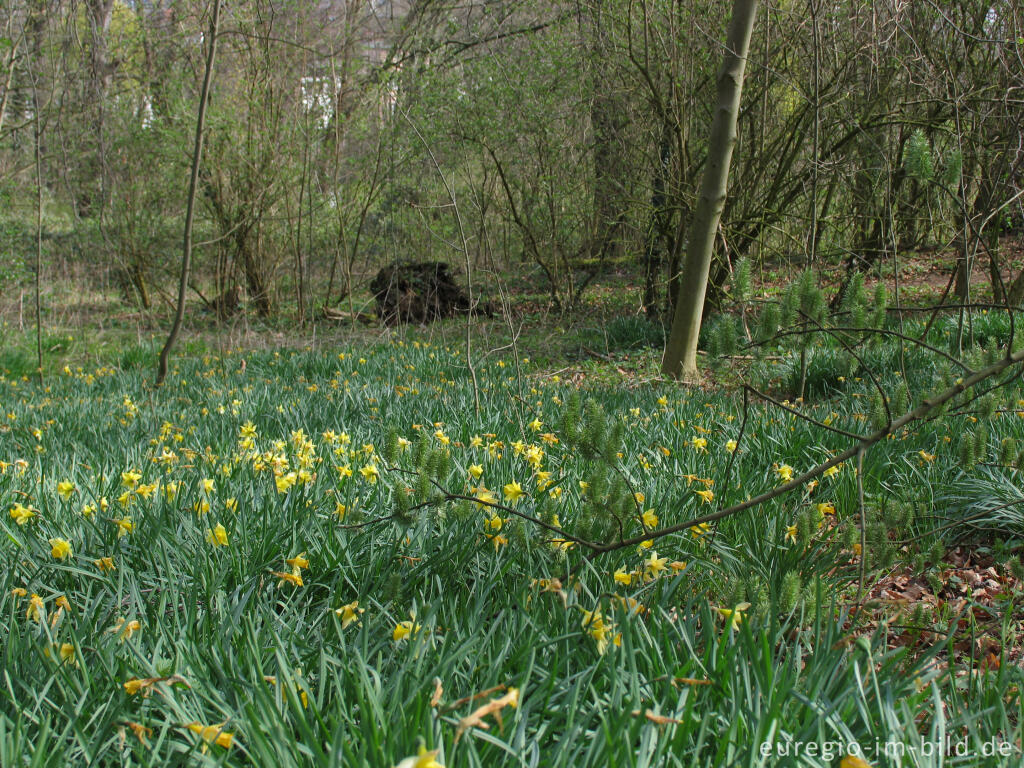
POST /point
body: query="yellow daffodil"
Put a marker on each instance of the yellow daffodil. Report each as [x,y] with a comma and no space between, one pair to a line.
[35,609]
[217,536]
[298,562]
[791,533]
[700,531]
[654,565]
[513,491]
[423,759]
[601,630]
[649,519]
[60,549]
[707,495]
[370,473]
[212,734]
[403,629]
[22,514]
[295,579]
[65,489]
[124,629]
[730,446]
[832,471]
[484,496]
[784,471]
[854,761]
[476,471]
[67,653]
[105,563]
[734,615]
[621,577]
[349,613]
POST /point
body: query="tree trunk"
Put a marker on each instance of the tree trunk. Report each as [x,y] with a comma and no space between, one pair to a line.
[658,227]
[190,203]
[681,351]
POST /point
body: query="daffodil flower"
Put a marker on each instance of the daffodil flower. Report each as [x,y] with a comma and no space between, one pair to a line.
[403,629]
[700,531]
[35,609]
[212,734]
[293,578]
[218,536]
[22,514]
[734,615]
[484,496]
[124,629]
[423,759]
[707,495]
[513,491]
[60,549]
[654,565]
[298,562]
[349,613]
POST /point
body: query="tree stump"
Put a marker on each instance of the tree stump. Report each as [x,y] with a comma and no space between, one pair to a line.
[228,303]
[417,292]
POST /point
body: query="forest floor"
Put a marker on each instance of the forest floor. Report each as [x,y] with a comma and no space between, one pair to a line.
[324,542]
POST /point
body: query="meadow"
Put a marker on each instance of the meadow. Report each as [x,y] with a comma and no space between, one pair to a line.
[367,556]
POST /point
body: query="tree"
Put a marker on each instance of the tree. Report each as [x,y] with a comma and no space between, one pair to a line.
[197,154]
[680,359]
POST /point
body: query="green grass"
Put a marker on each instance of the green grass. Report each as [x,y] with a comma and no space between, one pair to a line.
[800,667]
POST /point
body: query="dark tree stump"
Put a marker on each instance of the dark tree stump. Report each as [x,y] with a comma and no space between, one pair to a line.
[228,303]
[419,292]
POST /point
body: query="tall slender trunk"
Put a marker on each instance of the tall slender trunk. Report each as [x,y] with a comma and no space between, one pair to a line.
[680,359]
[190,204]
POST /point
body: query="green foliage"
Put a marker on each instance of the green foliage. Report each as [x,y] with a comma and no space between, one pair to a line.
[633,332]
[918,159]
[219,618]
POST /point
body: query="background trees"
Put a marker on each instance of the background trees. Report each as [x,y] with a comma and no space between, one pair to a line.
[573,134]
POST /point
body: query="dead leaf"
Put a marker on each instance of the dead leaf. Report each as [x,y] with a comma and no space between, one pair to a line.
[661,719]
[493,707]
